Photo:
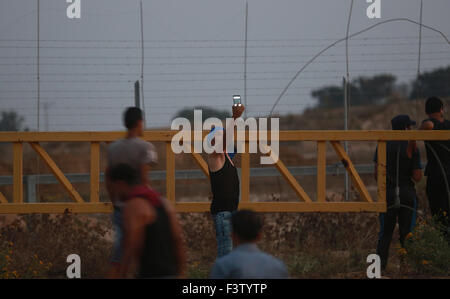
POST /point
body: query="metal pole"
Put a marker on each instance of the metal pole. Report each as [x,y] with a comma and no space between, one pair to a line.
[346,94]
[419,58]
[38,66]
[345,86]
[38,89]
[420,39]
[142,62]
[46,116]
[137,97]
[245,60]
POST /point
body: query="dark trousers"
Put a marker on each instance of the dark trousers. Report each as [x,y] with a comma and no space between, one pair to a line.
[438,199]
[405,216]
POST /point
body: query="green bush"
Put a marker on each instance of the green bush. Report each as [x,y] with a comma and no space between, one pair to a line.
[427,249]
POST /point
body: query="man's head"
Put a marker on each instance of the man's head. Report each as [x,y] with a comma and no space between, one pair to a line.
[133,120]
[124,177]
[247,227]
[434,105]
[402,122]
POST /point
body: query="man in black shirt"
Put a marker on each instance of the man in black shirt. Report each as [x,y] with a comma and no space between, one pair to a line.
[224,186]
[402,167]
[438,166]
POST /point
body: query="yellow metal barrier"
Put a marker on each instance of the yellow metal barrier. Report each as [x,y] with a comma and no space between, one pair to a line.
[17,206]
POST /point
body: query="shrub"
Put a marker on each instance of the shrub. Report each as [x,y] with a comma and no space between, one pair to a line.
[36,246]
[427,249]
[28,267]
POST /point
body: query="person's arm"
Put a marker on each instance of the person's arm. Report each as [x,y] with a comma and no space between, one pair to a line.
[411,149]
[145,168]
[149,158]
[427,125]
[177,236]
[237,112]
[137,215]
[417,175]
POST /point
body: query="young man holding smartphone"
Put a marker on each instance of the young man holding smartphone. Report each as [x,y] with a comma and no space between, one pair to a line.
[224,186]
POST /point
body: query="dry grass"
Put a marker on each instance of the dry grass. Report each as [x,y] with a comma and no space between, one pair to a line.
[312,245]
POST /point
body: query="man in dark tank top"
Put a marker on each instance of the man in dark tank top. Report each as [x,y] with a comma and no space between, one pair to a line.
[224,186]
[152,236]
[437,170]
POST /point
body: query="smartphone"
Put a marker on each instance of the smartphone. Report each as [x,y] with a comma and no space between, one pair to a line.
[236,100]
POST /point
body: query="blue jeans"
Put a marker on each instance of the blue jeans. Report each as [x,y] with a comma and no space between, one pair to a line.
[117,223]
[222,224]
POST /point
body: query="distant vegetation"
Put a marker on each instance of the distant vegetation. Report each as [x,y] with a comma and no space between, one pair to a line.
[434,83]
[206,113]
[11,121]
[376,89]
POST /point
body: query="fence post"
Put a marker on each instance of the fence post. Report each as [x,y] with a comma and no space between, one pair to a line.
[170,173]
[381,171]
[321,171]
[95,171]
[18,172]
[245,174]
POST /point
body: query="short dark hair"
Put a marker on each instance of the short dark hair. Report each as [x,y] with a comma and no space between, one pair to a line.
[131,116]
[247,224]
[433,105]
[124,172]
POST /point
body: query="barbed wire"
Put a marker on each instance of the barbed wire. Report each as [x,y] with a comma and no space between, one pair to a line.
[363,54]
[212,40]
[279,59]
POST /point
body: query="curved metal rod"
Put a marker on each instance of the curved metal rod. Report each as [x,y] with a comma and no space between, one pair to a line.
[344,39]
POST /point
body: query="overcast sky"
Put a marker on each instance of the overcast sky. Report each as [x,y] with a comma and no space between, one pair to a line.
[194,54]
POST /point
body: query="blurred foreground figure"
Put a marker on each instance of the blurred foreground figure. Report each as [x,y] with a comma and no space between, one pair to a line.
[438,166]
[246,261]
[152,243]
[403,168]
[138,154]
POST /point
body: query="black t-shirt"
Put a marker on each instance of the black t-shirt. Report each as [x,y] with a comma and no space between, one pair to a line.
[440,148]
[406,165]
[225,188]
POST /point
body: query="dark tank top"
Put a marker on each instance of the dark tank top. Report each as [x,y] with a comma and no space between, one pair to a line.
[225,188]
[158,257]
[441,148]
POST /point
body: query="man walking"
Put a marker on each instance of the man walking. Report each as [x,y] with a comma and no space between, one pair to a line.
[403,167]
[224,186]
[246,261]
[137,153]
[152,236]
[437,170]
